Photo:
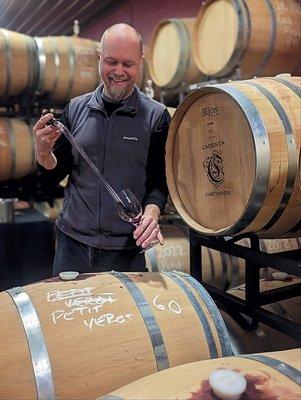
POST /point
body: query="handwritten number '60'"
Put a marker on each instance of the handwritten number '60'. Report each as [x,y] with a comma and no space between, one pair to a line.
[172,305]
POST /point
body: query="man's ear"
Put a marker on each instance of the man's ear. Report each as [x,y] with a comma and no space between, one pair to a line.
[142,60]
[98,54]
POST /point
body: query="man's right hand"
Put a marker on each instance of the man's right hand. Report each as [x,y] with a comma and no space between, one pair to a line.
[46,136]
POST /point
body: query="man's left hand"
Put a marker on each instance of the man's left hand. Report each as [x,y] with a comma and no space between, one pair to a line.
[148,229]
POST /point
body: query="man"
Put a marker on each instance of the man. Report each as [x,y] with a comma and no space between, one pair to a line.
[124,134]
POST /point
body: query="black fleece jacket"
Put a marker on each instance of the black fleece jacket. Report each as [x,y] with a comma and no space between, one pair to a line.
[128,147]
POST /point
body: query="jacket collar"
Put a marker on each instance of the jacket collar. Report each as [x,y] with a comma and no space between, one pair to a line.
[130,105]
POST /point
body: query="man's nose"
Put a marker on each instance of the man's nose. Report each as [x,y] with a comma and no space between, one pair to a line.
[119,69]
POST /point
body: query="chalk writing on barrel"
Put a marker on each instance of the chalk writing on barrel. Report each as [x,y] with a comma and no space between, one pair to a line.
[82,302]
[172,306]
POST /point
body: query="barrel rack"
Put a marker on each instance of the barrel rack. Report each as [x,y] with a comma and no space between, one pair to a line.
[174,96]
[289,262]
[28,107]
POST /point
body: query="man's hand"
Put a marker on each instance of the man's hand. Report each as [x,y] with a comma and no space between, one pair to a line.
[148,229]
[46,136]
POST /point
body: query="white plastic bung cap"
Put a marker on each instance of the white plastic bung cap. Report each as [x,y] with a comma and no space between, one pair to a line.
[284,75]
[280,276]
[227,384]
[68,275]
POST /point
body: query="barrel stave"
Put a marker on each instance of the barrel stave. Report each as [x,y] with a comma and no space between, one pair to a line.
[291,104]
[279,158]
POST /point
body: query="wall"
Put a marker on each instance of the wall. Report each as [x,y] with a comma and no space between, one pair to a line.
[143,15]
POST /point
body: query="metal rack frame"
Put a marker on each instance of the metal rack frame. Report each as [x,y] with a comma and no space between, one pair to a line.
[28,106]
[180,92]
[256,259]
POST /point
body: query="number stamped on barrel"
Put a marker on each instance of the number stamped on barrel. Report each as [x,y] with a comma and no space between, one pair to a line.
[75,303]
[171,257]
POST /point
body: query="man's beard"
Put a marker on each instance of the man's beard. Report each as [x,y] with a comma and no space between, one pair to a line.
[117,93]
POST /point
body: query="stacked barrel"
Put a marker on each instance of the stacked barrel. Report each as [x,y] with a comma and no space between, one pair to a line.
[238,146]
[115,328]
[108,329]
[228,190]
[170,68]
[60,67]
[17,150]
[228,174]
[257,376]
[226,39]
[259,38]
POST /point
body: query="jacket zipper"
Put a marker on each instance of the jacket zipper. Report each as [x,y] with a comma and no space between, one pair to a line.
[108,120]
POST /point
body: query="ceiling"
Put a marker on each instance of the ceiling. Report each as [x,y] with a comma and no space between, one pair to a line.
[52,17]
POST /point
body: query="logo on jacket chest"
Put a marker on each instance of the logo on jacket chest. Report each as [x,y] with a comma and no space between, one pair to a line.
[130,138]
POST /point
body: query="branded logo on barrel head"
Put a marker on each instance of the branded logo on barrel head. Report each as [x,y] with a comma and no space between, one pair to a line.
[214,168]
[209,112]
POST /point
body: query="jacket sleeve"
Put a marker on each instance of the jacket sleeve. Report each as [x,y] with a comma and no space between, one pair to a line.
[63,152]
[156,186]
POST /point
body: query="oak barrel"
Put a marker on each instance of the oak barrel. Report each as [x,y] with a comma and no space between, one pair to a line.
[261,38]
[17,149]
[67,66]
[274,375]
[18,63]
[170,57]
[232,158]
[102,331]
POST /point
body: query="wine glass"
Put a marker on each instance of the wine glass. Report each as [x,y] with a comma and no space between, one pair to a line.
[130,210]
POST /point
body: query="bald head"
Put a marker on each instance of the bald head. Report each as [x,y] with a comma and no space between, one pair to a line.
[120,61]
[123,34]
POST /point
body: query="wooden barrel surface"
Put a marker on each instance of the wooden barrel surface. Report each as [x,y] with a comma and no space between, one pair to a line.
[18,63]
[17,149]
[67,66]
[261,38]
[232,158]
[265,377]
[170,57]
[175,255]
[102,331]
